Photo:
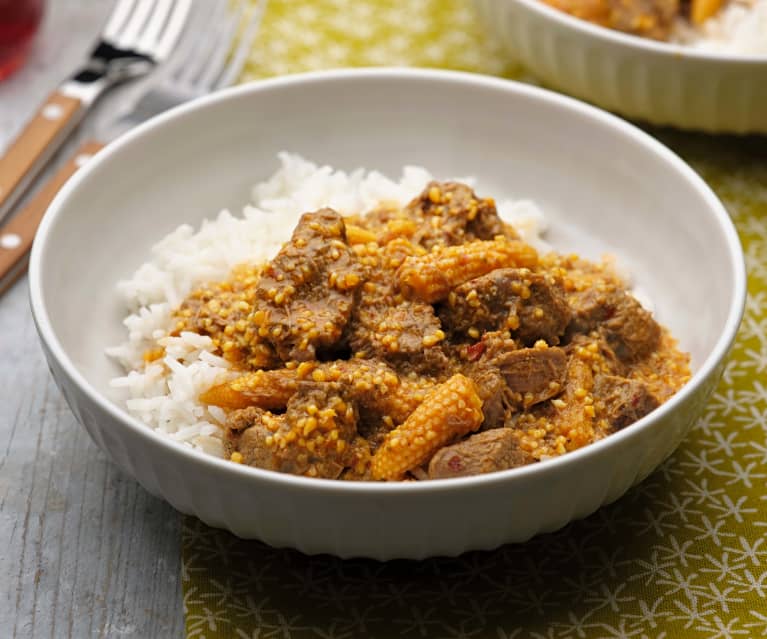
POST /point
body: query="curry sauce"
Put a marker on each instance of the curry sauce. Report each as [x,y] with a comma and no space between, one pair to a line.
[429,341]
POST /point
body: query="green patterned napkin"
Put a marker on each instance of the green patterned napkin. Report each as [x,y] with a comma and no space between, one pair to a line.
[681,555]
[307,35]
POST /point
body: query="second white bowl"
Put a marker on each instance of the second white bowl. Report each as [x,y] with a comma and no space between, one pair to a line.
[661,83]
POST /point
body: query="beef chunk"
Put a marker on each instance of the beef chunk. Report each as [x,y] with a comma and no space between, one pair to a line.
[525,303]
[589,308]
[246,434]
[629,330]
[509,378]
[604,358]
[570,415]
[544,315]
[402,333]
[632,332]
[625,401]
[485,452]
[452,214]
[251,444]
[533,375]
[383,331]
[493,391]
[483,304]
[320,415]
[315,437]
[305,294]
[405,334]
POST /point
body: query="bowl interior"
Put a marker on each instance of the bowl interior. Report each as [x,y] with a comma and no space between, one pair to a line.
[604,187]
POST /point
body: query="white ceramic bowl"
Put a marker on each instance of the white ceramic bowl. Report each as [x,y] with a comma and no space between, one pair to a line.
[658,82]
[604,185]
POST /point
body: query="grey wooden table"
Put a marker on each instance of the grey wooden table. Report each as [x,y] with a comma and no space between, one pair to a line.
[84,550]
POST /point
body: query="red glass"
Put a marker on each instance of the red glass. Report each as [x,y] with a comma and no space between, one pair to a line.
[19,20]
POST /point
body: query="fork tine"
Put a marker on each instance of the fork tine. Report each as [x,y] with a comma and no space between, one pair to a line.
[154,25]
[232,70]
[180,58]
[218,54]
[199,54]
[117,18]
[130,32]
[170,36]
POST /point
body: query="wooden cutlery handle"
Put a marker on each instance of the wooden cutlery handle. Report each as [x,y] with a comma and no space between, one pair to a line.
[16,236]
[41,137]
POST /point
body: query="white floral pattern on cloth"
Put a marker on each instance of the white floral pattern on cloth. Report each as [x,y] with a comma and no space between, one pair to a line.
[684,554]
[306,35]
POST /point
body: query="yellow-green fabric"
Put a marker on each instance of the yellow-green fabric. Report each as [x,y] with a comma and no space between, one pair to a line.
[682,555]
[307,35]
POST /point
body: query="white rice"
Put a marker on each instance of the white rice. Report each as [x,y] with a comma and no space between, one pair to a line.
[164,394]
[740,28]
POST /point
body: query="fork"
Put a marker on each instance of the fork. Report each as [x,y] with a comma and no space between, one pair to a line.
[138,35]
[198,68]
[194,70]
